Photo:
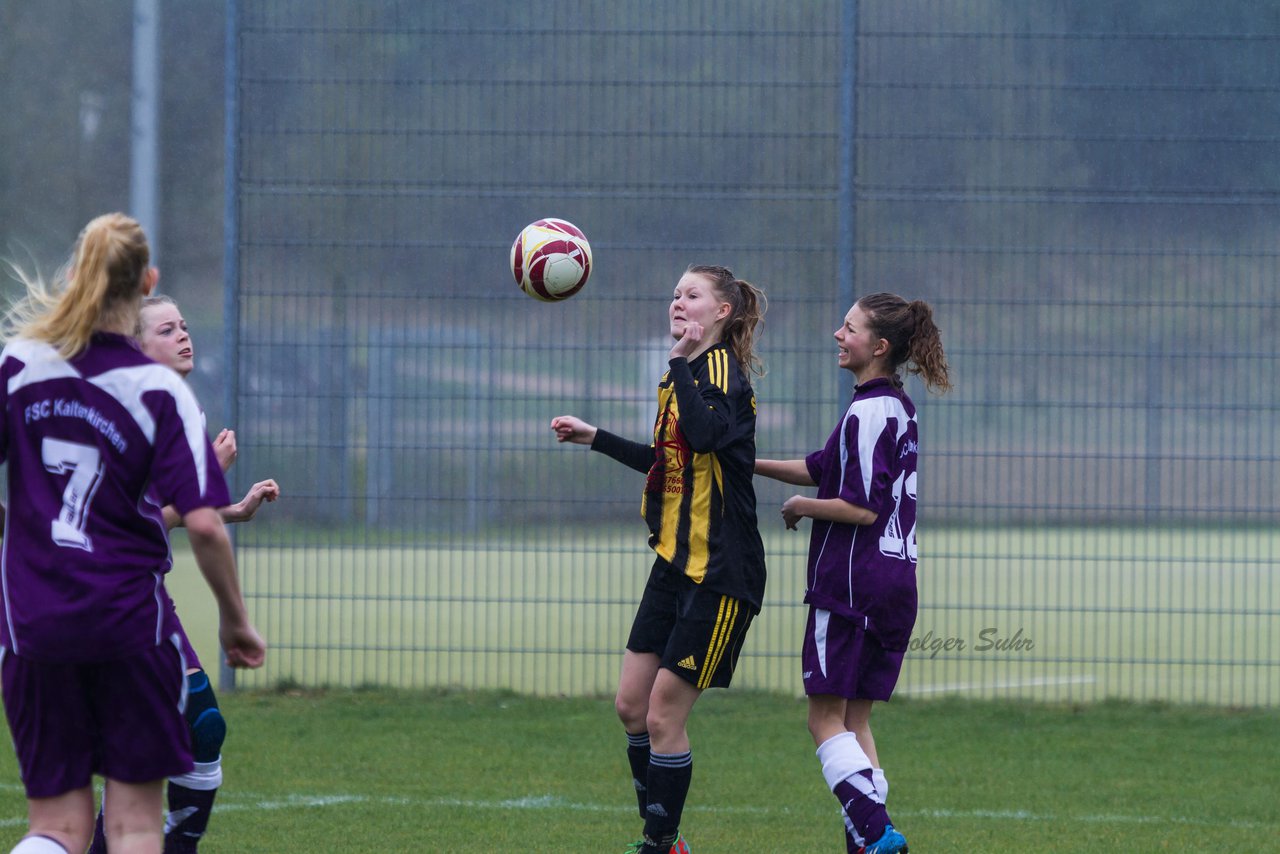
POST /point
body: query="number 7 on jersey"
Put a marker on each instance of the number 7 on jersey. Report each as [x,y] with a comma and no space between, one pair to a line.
[84,462]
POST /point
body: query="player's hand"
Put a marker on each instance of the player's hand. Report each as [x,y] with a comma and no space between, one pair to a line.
[791,514]
[688,342]
[569,428]
[243,646]
[224,448]
[244,510]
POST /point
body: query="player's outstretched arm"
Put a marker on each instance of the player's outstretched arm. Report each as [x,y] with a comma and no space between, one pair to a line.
[244,509]
[794,472]
[569,428]
[243,645]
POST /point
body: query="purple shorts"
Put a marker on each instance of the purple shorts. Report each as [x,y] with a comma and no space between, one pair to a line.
[188,651]
[189,656]
[121,719]
[842,659]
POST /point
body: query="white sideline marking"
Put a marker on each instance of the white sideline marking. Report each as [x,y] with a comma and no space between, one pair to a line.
[555,802]
[249,801]
[1034,682]
[529,802]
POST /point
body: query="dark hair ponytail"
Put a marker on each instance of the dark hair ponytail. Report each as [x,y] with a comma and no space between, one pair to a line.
[914,339]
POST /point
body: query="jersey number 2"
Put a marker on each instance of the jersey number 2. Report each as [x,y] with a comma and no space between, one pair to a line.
[84,462]
[893,543]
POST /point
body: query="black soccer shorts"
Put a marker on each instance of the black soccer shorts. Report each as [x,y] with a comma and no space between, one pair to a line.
[697,633]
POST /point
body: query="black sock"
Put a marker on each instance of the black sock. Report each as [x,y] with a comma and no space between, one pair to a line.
[669,777]
[188,818]
[638,759]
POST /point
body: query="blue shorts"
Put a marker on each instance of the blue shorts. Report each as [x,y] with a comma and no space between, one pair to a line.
[841,658]
[121,719]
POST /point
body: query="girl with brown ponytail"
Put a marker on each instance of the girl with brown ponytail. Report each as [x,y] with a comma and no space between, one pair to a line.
[861,580]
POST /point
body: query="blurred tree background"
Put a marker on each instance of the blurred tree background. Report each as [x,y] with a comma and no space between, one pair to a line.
[65,133]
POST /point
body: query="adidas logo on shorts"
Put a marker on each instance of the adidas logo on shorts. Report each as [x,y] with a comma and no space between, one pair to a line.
[687,663]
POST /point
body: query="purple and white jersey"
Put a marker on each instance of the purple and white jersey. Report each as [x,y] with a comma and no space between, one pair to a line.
[95,446]
[868,572]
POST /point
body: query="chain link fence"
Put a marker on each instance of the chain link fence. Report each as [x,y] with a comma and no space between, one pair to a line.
[1087,198]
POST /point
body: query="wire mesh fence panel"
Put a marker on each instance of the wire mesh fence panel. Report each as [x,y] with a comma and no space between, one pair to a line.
[1088,201]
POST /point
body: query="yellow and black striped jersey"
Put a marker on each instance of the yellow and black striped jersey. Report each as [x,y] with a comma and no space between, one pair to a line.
[699,501]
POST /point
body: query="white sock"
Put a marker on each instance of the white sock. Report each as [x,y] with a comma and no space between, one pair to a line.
[882,783]
[842,758]
[203,777]
[37,845]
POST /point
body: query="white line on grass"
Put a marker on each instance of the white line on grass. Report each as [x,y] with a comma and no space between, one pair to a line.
[555,802]
[529,802]
[242,801]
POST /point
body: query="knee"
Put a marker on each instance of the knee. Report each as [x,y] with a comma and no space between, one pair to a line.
[824,726]
[632,711]
[208,732]
[657,724]
[208,727]
[665,723]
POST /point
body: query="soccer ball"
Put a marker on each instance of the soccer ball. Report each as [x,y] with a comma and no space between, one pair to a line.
[551,259]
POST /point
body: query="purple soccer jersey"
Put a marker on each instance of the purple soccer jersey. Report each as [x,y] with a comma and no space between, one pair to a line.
[868,572]
[95,446]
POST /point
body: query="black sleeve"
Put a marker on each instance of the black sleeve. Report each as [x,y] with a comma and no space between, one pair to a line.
[705,412]
[631,454]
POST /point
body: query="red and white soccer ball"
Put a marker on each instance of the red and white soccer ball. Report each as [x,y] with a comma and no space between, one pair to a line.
[551,259]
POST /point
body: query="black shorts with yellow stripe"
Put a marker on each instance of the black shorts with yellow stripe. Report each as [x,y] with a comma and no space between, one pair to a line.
[697,633]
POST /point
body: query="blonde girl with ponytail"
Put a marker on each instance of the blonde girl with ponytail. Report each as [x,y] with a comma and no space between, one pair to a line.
[90,664]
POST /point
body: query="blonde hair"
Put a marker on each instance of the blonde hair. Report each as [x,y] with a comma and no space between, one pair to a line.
[150,301]
[99,285]
[747,305]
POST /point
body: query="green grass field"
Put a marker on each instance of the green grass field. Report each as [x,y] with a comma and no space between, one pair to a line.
[1092,624]
[383,770]
[1054,614]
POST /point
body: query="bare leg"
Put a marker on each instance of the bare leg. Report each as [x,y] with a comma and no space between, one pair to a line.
[826,716]
[66,819]
[857,718]
[135,822]
[639,670]
[671,768]
[670,703]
